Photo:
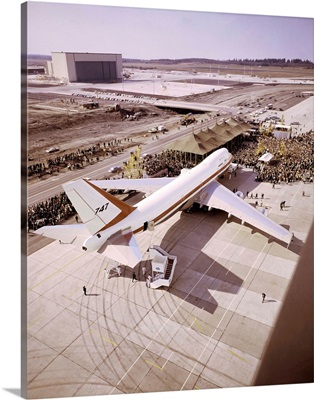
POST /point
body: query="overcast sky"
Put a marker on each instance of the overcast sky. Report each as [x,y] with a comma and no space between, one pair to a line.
[156,33]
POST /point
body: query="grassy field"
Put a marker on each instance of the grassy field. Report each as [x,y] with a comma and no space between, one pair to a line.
[227,68]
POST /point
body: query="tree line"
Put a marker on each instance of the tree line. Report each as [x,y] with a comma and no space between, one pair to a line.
[240,61]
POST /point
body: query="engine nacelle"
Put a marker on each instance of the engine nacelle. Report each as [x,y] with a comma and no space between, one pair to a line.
[93,243]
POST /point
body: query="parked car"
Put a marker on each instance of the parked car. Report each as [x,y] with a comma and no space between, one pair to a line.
[115,169]
[52,149]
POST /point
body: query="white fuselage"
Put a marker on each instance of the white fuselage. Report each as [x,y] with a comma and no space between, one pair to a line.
[159,205]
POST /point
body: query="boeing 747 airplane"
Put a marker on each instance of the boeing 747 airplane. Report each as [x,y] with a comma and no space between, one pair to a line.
[109,224]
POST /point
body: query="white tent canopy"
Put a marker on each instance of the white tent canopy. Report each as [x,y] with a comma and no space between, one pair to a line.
[266,157]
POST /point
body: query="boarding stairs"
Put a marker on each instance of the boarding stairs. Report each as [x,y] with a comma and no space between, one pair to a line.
[163,266]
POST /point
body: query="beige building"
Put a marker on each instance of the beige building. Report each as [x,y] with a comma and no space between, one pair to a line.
[86,67]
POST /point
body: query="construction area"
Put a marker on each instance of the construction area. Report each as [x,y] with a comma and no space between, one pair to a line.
[129,109]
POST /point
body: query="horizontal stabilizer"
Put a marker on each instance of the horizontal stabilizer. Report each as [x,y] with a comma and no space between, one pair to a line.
[216,195]
[70,234]
[123,248]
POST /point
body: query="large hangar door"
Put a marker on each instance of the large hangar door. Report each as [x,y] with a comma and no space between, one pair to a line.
[110,70]
[89,71]
[95,71]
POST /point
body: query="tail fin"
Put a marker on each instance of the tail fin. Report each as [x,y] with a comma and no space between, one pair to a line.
[96,207]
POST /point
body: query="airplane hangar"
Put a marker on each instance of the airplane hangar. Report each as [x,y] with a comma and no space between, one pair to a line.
[86,67]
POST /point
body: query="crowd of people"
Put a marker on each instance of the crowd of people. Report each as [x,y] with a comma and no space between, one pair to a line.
[167,163]
[292,158]
[53,211]
[75,160]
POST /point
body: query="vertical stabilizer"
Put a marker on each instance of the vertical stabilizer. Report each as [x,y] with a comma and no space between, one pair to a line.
[96,207]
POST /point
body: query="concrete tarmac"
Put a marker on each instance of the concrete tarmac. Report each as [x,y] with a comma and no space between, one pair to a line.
[208,330]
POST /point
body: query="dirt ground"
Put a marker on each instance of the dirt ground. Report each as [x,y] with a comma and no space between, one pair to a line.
[59,120]
[54,121]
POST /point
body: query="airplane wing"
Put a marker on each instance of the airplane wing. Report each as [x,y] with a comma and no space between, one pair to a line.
[216,195]
[69,234]
[122,247]
[146,185]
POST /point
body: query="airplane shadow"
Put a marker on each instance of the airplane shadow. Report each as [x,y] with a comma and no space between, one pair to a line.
[196,281]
